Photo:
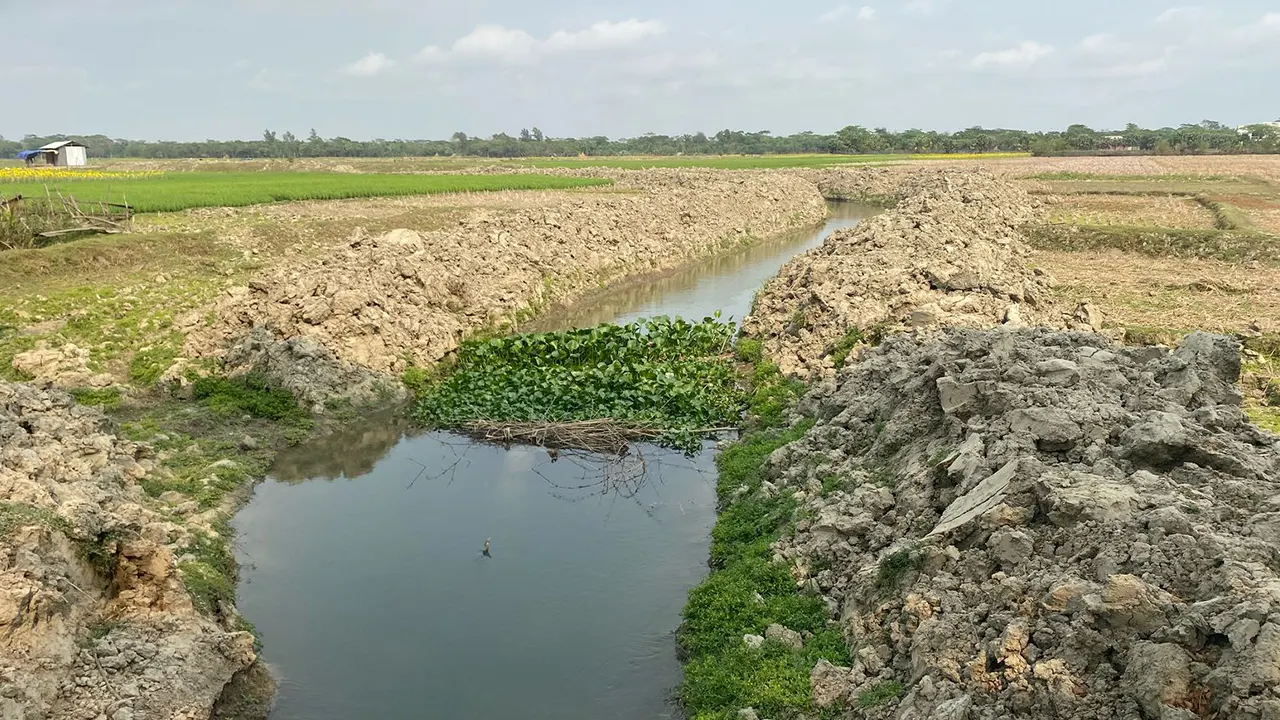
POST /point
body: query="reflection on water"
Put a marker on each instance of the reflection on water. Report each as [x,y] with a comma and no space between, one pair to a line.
[349,452]
[726,282]
[375,601]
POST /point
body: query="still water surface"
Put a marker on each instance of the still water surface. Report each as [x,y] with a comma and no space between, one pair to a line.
[362,563]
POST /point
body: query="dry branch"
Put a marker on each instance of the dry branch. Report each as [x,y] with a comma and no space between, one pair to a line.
[604,436]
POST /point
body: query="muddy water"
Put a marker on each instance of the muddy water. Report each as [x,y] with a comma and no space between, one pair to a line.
[363,570]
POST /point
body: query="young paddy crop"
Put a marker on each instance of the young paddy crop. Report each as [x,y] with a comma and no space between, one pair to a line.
[168,192]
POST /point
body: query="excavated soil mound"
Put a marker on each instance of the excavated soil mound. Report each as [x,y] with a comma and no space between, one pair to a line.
[1038,524]
[950,253]
[75,642]
[404,297]
[862,184]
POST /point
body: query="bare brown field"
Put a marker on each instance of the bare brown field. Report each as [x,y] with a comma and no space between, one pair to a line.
[1174,212]
[1262,166]
[1179,294]
[1268,220]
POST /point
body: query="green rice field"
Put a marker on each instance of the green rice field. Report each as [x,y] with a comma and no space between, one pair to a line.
[182,190]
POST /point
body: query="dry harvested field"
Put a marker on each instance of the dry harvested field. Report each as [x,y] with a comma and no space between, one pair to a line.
[1166,245]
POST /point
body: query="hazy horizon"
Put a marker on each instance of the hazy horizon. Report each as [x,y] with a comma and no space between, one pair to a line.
[152,70]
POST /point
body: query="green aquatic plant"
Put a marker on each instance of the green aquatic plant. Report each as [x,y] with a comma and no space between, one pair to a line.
[671,376]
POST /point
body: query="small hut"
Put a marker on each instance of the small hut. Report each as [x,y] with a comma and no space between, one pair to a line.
[64,153]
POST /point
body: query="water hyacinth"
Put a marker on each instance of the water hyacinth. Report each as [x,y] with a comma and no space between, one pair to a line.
[661,373]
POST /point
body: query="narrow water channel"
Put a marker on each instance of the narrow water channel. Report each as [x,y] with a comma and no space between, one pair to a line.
[362,565]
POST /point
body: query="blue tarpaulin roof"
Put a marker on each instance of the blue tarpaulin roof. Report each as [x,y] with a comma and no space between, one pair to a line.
[27,153]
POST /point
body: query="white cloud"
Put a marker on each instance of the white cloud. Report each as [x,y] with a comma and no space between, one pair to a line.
[604,35]
[496,43]
[1103,44]
[1024,54]
[431,54]
[1183,14]
[840,12]
[836,13]
[1267,27]
[924,8]
[370,65]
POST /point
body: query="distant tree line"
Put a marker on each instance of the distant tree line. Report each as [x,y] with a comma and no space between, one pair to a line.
[1204,137]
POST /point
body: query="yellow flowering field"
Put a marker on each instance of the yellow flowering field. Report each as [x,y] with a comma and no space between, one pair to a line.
[42,174]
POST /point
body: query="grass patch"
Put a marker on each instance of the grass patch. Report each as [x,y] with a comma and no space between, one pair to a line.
[880,694]
[17,515]
[1261,381]
[771,394]
[1144,335]
[1225,245]
[671,376]
[209,572]
[247,395]
[1225,215]
[749,351]
[845,345]
[102,398]
[149,363]
[747,592]
[181,191]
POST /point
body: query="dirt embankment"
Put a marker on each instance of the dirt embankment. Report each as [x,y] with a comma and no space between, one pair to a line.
[95,621]
[110,601]
[404,298]
[950,253]
[1025,523]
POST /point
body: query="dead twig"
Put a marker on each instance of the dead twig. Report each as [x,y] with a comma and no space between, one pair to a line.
[603,436]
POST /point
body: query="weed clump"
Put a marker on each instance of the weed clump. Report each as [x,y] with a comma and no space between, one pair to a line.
[149,364]
[880,694]
[16,515]
[750,351]
[854,337]
[209,572]
[247,395]
[895,567]
[103,398]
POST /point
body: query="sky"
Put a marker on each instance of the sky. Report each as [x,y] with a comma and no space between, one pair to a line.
[227,69]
